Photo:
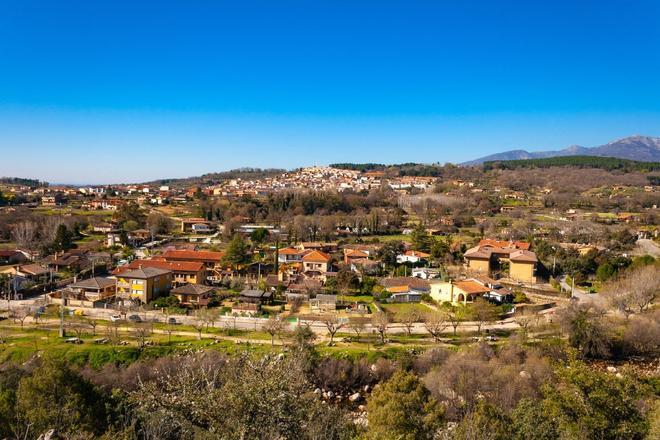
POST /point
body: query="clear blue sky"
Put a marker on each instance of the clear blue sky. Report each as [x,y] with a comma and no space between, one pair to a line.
[111,90]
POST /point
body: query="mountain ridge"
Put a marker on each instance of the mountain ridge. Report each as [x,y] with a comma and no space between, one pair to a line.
[640,148]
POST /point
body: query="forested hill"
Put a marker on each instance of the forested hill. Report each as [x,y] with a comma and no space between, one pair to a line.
[32,183]
[402,169]
[605,163]
[212,178]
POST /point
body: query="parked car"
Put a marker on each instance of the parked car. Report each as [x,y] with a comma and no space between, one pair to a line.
[135,318]
[73,341]
[172,321]
[115,318]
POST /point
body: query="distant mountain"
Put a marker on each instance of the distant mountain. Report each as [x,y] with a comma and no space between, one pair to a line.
[640,148]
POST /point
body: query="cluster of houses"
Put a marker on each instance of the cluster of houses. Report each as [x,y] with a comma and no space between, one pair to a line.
[300,275]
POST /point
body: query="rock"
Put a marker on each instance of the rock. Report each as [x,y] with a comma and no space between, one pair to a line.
[317,391]
[524,374]
[362,408]
[354,397]
[48,435]
[373,368]
[366,388]
[618,375]
[611,369]
[330,394]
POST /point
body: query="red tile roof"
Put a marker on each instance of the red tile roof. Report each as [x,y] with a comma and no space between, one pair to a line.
[174,266]
[184,255]
[317,256]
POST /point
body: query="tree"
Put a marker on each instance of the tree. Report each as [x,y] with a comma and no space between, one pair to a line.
[333,325]
[236,255]
[358,326]
[346,279]
[19,314]
[482,312]
[402,408]
[259,235]
[380,322]
[408,318]
[586,330]
[435,323]
[141,331]
[25,234]
[63,239]
[54,397]
[129,212]
[421,239]
[456,315]
[158,224]
[273,327]
[389,252]
[486,422]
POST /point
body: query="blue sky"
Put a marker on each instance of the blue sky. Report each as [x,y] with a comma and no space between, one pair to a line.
[118,91]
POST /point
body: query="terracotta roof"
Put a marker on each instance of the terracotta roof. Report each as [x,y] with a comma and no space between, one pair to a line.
[184,255]
[419,254]
[479,252]
[317,256]
[6,254]
[288,251]
[469,286]
[398,289]
[505,244]
[174,266]
[355,253]
[412,282]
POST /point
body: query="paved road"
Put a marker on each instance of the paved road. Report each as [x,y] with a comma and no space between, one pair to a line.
[253,324]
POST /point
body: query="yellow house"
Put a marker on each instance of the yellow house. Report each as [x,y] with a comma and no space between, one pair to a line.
[145,283]
[491,257]
[459,292]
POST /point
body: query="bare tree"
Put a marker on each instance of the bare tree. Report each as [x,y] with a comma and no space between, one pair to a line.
[456,316]
[142,331]
[525,322]
[333,325]
[380,321]
[273,327]
[93,323]
[358,326]
[19,314]
[408,318]
[199,323]
[435,323]
[24,234]
[644,286]
[483,312]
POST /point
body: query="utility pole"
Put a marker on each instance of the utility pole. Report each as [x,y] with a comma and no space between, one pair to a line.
[62,315]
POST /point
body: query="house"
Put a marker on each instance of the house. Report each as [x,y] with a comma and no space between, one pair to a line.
[404,294]
[511,259]
[323,303]
[289,255]
[459,292]
[210,259]
[467,291]
[365,267]
[94,289]
[255,296]
[351,255]
[405,289]
[144,284]
[412,257]
[11,257]
[317,246]
[193,294]
[73,260]
[201,228]
[183,272]
[425,273]
[316,261]
[187,224]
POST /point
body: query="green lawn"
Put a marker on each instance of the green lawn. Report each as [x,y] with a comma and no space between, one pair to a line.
[401,307]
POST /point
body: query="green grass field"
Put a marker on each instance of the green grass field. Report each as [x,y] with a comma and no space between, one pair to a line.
[396,308]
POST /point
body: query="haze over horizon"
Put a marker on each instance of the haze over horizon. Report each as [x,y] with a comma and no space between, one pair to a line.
[106,92]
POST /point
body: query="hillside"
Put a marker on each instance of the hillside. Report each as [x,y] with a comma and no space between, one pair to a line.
[639,148]
[605,163]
